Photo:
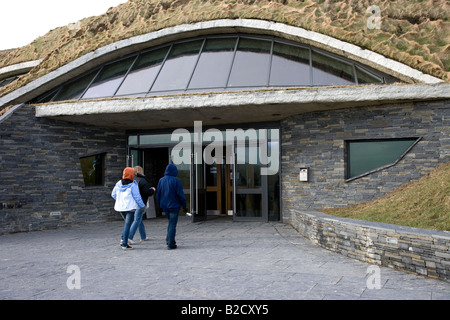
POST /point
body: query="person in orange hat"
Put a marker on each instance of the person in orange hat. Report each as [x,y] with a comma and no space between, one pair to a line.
[128,199]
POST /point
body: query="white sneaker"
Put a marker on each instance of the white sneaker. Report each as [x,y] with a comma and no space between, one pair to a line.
[129,242]
[146,239]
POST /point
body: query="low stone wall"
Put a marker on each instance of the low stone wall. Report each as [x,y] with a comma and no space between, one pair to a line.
[421,251]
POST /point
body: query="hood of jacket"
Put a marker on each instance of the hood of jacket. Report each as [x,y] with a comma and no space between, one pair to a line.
[124,184]
[171,170]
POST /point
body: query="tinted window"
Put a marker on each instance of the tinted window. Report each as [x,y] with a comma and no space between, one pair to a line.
[365,156]
[109,79]
[178,67]
[143,73]
[329,71]
[365,77]
[92,168]
[290,66]
[214,64]
[251,63]
[74,90]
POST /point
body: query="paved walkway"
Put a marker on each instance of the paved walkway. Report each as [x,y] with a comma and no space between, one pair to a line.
[216,259]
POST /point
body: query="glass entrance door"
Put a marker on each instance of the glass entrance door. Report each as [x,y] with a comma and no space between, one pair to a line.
[197,189]
[219,188]
[249,196]
[245,184]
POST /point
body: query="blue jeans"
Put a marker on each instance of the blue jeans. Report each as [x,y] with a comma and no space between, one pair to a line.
[128,216]
[171,229]
[138,223]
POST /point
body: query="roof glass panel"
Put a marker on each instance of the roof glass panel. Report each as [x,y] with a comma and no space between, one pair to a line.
[366,78]
[330,71]
[178,67]
[214,64]
[7,81]
[251,63]
[290,66]
[144,72]
[74,90]
[109,79]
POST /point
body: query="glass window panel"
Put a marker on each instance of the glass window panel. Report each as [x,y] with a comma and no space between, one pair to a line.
[132,140]
[143,73]
[7,81]
[45,97]
[365,156]
[74,90]
[184,174]
[92,168]
[251,63]
[330,71]
[290,66]
[177,69]
[365,77]
[214,64]
[248,205]
[155,139]
[109,79]
[273,183]
[248,167]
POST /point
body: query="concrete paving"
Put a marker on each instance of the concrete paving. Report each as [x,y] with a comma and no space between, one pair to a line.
[216,260]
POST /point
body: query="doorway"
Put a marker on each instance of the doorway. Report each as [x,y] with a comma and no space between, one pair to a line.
[239,186]
[219,189]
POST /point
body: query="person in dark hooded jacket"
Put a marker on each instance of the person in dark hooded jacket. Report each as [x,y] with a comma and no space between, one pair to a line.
[170,197]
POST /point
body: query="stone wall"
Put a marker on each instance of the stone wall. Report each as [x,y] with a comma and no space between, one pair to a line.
[40,172]
[420,251]
[317,141]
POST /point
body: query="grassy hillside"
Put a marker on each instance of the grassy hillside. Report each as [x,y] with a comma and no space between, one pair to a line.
[423,203]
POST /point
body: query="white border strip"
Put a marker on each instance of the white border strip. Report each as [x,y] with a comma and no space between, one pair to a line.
[250,24]
[18,68]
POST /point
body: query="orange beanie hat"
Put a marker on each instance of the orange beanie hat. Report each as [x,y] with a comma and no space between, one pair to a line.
[128,173]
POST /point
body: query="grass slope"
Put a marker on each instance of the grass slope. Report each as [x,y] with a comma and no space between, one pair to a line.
[423,203]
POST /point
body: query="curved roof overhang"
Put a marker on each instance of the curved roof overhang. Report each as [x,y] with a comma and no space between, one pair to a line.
[96,115]
[233,107]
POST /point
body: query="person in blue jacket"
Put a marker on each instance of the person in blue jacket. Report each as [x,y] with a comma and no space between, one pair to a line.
[128,199]
[170,197]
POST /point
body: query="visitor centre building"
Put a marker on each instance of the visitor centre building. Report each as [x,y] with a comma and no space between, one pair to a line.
[262,119]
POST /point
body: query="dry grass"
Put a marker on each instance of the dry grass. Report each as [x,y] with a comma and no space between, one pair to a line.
[416,32]
[423,203]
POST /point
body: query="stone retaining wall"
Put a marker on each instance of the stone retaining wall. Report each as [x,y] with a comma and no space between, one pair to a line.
[420,251]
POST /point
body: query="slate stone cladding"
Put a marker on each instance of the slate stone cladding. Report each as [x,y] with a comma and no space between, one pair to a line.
[42,184]
[420,251]
[317,141]
[40,171]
